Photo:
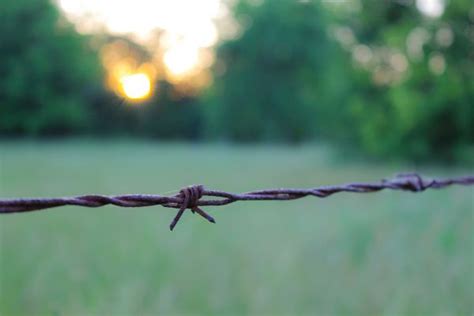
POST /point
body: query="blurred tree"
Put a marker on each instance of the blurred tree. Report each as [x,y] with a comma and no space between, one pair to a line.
[412,80]
[45,69]
[169,113]
[268,80]
[399,85]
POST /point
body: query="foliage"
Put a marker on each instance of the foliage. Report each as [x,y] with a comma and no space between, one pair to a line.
[45,68]
[414,98]
[400,83]
[166,116]
[268,81]
[379,76]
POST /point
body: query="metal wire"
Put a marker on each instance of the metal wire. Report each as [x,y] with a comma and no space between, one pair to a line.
[190,197]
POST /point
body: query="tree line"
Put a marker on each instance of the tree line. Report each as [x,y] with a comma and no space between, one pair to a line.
[380,77]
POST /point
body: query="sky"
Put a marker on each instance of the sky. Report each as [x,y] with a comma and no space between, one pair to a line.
[189,24]
[191,19]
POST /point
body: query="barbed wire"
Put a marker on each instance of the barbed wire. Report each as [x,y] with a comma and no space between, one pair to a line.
[190,197]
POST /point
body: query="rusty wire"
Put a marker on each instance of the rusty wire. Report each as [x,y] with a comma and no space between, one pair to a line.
[190,197]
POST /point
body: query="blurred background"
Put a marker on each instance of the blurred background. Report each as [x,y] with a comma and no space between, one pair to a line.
[141,96]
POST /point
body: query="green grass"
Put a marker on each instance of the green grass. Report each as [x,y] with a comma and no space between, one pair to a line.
[386,253]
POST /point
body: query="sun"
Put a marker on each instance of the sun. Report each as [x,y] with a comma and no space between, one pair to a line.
[136,86]
[181,60]
[177,37]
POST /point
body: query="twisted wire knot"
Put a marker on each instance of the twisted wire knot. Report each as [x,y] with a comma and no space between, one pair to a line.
[190,200]
[191,196]
[411,181]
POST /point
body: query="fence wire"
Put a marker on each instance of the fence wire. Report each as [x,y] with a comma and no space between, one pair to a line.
[191,197]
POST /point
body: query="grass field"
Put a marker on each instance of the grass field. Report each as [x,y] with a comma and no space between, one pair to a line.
[387,253]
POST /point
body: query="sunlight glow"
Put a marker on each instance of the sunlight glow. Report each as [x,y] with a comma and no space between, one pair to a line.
[180,60]
[136,86]
[189,18]
[179,35]
[431,8]
[128,73]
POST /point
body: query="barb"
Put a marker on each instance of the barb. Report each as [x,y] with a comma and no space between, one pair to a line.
[190,197]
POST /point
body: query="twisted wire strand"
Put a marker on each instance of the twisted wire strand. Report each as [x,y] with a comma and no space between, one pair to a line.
[190,197]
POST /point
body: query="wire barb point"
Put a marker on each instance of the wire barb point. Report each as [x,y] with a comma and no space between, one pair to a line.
[189,200]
